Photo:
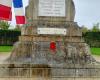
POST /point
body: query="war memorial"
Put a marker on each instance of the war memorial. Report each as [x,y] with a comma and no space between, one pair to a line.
[51,46]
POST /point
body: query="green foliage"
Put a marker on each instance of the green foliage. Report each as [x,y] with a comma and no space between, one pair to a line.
[84,29]
[4,25]
[92,38]
[18,28]
[95,27]
[9,37]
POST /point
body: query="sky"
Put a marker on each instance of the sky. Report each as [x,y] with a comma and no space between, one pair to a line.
[87,12]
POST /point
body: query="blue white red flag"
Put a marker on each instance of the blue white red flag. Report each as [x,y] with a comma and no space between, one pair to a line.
[5,10]
[19,12]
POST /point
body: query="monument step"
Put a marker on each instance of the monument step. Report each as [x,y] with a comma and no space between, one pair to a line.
[44,38]
[32,71]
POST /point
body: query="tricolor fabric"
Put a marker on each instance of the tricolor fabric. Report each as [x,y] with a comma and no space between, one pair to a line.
[5,10]
[19,12]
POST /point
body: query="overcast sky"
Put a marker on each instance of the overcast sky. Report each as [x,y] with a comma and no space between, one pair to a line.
[87,12]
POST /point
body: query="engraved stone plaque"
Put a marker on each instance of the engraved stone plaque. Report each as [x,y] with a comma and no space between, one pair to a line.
[52,31]
[51,8]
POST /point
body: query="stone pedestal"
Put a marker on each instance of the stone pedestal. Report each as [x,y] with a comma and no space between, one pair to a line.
[70,48]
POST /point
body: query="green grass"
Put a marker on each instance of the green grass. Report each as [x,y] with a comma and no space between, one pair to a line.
[5,48]
[95,51]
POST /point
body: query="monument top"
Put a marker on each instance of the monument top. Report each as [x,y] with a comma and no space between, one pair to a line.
[51,10]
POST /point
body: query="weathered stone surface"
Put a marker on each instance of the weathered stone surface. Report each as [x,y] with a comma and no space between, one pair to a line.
[73,30]
[38,52]
[45,71]
[32,12]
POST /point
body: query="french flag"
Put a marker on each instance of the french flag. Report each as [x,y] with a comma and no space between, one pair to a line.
[5,10]
[19,12]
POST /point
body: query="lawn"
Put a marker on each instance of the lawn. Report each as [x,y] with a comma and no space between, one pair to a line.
[5,48]
[95,51]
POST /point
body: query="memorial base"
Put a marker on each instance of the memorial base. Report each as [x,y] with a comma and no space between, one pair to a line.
[32,56]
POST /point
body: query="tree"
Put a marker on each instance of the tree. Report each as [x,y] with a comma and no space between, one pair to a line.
[84,29]
[96,27]
[17,28]
[4,25]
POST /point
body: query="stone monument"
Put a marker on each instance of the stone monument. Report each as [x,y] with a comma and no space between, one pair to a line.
[52,21]
[52,43]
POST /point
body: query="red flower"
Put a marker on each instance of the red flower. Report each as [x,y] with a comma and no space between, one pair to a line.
[53,46]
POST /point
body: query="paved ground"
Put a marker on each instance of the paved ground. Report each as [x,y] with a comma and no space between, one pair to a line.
[4,56]
[97,58]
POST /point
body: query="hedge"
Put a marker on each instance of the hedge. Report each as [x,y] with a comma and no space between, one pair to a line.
[92,38]
[8,37]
